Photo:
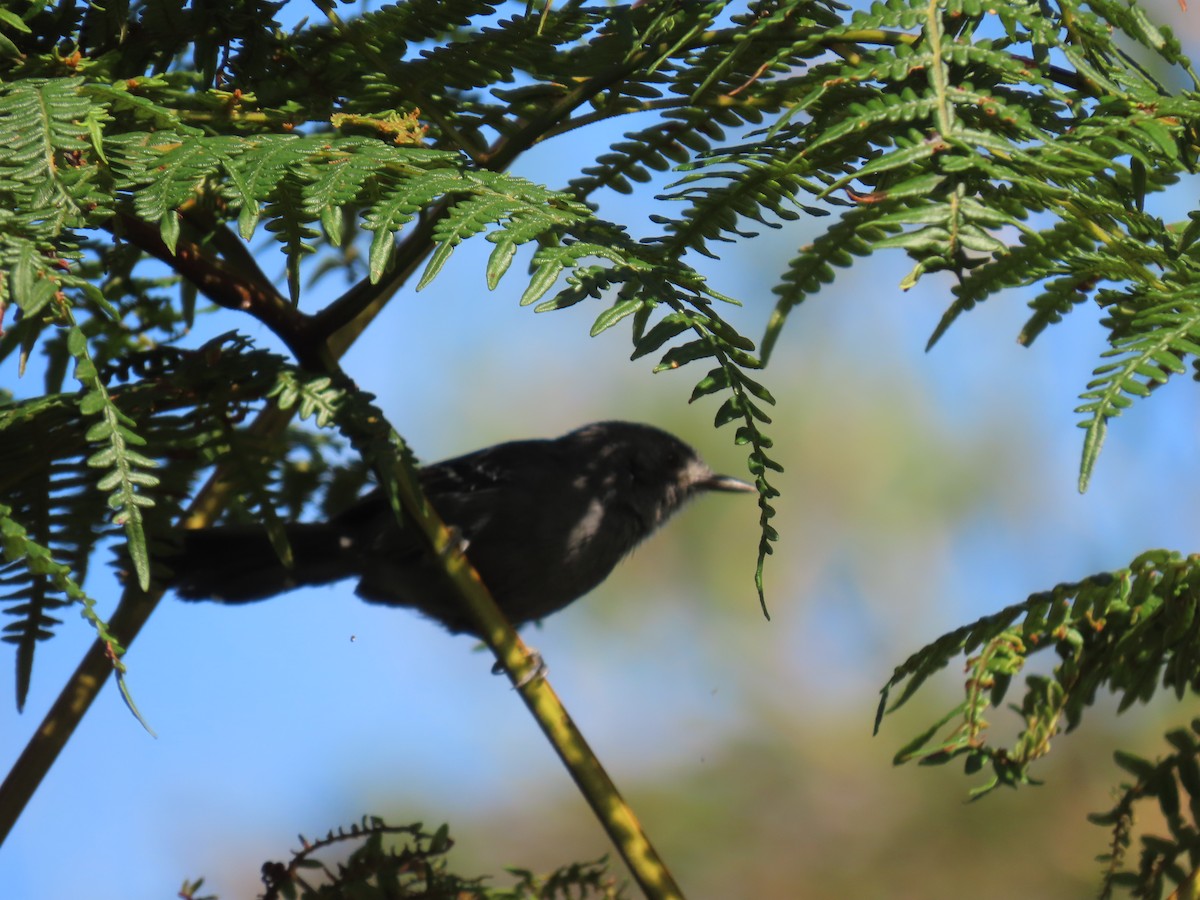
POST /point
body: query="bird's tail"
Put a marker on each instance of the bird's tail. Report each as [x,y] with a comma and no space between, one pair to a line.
[238,564]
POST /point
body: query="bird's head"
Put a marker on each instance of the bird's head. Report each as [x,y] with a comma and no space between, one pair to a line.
[648,471]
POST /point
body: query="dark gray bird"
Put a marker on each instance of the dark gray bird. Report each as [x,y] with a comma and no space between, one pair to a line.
[543,521]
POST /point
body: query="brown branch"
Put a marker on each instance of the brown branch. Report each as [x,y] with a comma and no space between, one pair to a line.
[364,295]
[231,290]
[229,244]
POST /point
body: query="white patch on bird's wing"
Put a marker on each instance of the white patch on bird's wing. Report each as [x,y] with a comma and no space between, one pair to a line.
[586,527]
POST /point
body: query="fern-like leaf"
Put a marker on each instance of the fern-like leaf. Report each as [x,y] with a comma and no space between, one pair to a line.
[1163,336]
[126,480]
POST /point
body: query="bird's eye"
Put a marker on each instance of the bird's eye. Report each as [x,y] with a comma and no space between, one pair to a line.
[642,471]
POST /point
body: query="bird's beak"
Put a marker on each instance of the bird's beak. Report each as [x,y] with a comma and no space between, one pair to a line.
[725,483]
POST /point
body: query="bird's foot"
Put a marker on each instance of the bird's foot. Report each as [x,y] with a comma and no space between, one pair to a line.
[535,667]
[457,545]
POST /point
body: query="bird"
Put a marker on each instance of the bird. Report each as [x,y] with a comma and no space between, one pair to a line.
[543,521]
